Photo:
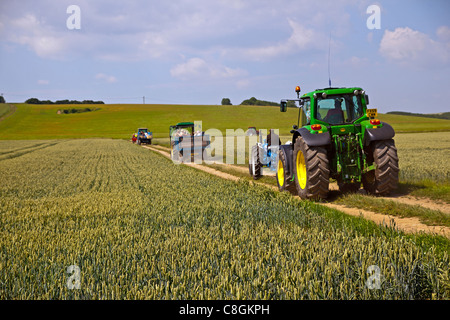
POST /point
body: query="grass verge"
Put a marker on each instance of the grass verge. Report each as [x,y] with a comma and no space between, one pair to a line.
[427,189]
[427,216]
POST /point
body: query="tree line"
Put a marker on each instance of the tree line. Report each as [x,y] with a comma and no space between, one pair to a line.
[256,102]
[37,101]
[442,115]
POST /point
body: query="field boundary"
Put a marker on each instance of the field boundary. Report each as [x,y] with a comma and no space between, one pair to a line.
[408,225]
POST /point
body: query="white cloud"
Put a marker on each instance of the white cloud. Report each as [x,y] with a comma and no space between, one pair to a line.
[145,30]
[301,39]
[31,32]
[413,48]
[443,33]
[106,78]
[196,68]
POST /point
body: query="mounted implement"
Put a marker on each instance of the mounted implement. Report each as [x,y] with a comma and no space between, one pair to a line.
[337,137]
[186,144]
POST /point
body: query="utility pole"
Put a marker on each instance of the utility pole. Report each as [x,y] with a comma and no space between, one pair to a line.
[143,99]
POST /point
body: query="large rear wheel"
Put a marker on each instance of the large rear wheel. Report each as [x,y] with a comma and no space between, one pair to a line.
[384,179]
[311,169]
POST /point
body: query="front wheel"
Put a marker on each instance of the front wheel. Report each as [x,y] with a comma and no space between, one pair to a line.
[384,179]
[254,166]
[282,174]
[311,169]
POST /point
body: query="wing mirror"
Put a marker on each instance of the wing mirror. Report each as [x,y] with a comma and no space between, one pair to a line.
[283,106]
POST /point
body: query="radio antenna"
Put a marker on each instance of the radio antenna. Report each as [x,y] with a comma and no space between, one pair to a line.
[329,51]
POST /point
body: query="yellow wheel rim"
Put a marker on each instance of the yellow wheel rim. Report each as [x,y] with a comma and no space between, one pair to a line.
[280,173]
[301,169]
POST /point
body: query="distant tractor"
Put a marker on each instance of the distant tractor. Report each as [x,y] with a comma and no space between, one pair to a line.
[337,137]
[143,136]
[186,144]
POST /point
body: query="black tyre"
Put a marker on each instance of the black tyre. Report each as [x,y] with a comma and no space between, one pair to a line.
[384,179]
[311,169]
[255,167]
[282,174]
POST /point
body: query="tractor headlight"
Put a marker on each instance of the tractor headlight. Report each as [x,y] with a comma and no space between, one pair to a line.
[356,92]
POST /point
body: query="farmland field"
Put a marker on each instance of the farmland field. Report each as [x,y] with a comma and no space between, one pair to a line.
[120,121]
[424,156]
[140,227]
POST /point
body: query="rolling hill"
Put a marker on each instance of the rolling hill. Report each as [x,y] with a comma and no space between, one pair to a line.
[121,120]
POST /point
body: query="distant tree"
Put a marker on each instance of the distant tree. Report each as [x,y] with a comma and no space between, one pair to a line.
[226,102]
[255,102]
[33,101]
[249,102]
[2,100]
[66,101]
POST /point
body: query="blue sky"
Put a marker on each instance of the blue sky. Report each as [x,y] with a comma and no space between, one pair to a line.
[198,52]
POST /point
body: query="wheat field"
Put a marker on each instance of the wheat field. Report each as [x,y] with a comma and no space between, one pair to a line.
[105,219]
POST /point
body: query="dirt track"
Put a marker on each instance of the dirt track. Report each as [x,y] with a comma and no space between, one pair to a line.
[409,225]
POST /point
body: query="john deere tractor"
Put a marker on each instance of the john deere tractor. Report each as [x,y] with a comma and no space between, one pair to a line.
[337,137]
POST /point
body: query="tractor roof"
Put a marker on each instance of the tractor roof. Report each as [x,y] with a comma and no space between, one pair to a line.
[185,124]
[333,91]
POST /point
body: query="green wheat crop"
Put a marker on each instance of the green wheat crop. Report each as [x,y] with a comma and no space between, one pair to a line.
[140,227]
[424,156]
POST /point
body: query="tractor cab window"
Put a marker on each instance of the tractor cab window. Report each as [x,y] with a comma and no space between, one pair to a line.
[339,109]
[305,113]
[307,109]
[357,107]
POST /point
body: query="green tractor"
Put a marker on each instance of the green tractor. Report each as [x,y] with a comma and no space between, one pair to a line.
[337,137]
